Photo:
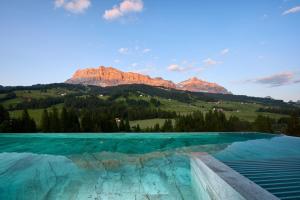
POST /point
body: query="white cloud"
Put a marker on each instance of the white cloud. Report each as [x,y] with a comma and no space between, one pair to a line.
[175,68]
[123,50]
[59,3]
[224,51]
[134,64]
[74,6]
[112,14]
[125,7]
[184,66]
[131,6]
[117,61]
[146,50]
[209,62]
[292,10]
[275,80]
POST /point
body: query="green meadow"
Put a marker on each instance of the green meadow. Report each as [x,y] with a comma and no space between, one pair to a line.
[244,110]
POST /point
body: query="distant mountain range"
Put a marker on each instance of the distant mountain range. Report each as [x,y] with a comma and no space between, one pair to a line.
[109,76]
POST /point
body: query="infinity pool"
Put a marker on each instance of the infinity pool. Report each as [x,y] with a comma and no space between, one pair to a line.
[122,166]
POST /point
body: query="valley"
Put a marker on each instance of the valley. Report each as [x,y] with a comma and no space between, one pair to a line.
[39,97]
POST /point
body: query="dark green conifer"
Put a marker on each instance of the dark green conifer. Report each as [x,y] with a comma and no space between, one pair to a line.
[45,122]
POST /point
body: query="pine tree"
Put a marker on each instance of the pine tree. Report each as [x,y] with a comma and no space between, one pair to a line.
[233,123]
[87,124]
[211,121]
[168,126]
[293,126]
[64,120]
[222,122]
[127,125]
[156,128]
[4,115]
[54,121]
[6,127]
[138,129]
[73,124]
[199,123]
[45,122]
[27,124]
[263,124]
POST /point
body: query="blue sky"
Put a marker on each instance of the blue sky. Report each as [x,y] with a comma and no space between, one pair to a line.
[250,47]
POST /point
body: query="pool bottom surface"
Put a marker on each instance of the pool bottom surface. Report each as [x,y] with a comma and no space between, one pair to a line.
[120,166]
[95,176]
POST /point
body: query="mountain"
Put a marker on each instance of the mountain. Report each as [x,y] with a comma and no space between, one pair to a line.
[109,76]
[196,85]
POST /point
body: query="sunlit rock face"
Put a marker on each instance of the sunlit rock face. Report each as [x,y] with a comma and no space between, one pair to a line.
[196,85]
[108,76]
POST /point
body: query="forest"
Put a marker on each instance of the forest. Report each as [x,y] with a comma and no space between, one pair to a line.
[78,108]
[92,120]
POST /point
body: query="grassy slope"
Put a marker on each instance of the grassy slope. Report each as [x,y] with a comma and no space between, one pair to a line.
[23,95]
[36,114]
[148,122]
[245,111]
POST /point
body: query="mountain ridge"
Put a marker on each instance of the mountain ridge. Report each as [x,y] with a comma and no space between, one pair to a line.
[109,76]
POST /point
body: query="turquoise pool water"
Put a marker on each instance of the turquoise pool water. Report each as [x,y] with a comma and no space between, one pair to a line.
[121,166]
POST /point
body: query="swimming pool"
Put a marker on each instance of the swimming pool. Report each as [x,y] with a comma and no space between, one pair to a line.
[122,166]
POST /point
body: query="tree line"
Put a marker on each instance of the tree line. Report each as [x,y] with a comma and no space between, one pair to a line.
[86,120]
[216,121]
[281,110]
[24,124]
[182,96]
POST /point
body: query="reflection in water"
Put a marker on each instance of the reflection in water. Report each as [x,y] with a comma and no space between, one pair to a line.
[103,175]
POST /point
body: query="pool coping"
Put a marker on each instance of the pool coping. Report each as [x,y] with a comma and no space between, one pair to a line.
[222,182]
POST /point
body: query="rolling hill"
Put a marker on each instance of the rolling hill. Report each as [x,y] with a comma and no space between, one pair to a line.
[39,97]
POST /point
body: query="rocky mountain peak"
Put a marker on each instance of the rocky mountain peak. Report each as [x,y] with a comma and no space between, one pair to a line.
[109,76]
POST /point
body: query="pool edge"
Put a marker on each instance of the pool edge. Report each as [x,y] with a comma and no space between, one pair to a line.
[217,181]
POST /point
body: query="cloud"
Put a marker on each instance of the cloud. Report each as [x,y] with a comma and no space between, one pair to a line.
[131,6]
[59,3]
[292,10]
[74,6]
[134,64]
[112,14]
[123,50]
[146,50]
[134,50]
[224,51]
[192,66]
[275,80]
[210,62]
[184,66]
[124,8]
[175,68]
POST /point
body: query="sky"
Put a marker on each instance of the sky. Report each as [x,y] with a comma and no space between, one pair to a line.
[249,47]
